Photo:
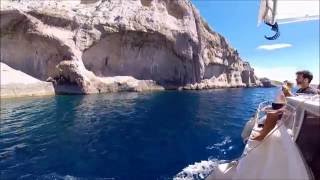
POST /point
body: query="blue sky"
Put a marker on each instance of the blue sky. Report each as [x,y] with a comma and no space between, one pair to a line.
[237,21]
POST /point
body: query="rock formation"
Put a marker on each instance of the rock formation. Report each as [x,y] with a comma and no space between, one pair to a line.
[269,83]
[96,46]
[16,83]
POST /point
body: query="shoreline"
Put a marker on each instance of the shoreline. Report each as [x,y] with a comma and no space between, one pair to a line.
[16,84]
[2,97]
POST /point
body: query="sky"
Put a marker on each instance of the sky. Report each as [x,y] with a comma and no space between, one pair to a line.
[297,48]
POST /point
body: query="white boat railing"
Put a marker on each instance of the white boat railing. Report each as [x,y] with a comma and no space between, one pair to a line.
[287,128]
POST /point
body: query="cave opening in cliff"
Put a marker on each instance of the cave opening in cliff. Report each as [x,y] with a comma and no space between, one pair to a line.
[144,56]
[24,48]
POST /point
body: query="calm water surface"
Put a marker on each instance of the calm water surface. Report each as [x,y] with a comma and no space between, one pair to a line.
[122,136]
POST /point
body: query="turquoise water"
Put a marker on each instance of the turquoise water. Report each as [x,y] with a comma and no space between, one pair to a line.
[122,136]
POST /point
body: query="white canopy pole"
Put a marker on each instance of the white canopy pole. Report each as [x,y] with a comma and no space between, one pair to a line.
[274,12]
[288,11]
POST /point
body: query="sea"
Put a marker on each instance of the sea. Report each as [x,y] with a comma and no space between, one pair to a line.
[143,136]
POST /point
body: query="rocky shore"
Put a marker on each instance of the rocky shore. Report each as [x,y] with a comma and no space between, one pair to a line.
[16,84]
[269,83]
[100,46]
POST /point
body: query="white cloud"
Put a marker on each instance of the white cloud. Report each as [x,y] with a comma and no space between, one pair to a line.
[271,47]
[282,73]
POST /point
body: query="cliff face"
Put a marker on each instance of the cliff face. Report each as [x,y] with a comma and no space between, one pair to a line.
[118,45]
[13,84]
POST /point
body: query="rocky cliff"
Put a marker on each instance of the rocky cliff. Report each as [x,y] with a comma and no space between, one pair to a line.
[16,83]
[96,46]
[270,83]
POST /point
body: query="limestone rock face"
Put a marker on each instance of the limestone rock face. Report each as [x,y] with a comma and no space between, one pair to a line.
[267,82]
[91,44]
[18,84]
